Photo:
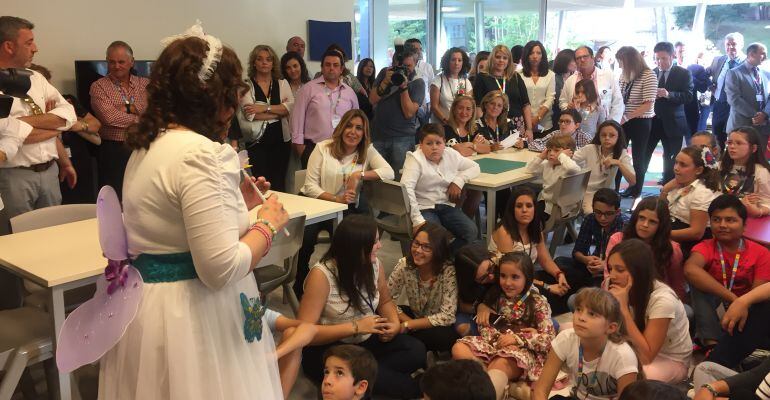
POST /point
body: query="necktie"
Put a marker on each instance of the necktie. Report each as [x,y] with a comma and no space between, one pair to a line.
[731,64]
[662,80]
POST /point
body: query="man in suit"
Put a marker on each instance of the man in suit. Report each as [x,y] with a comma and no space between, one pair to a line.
[717,73]
[670,123]
[748,88]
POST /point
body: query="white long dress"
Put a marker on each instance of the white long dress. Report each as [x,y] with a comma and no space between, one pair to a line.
[187,340]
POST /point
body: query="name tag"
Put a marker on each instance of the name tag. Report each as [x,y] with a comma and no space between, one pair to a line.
[760,98]
[335,121]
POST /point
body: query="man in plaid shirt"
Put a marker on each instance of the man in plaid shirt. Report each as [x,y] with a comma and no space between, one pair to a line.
[117,100]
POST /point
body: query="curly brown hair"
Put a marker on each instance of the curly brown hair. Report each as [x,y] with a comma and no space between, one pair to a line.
[175,94]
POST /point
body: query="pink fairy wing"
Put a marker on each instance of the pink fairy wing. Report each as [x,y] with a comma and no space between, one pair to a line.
[112,234]
[98,324]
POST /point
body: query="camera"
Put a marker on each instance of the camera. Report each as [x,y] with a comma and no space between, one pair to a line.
[14,82]
[400,75]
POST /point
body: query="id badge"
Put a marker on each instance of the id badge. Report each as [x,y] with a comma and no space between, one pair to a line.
[721,310]
[760,98]
[335,121]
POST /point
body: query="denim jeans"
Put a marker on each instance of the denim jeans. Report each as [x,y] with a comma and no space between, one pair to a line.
[456,222]
[707,324]
[394,149]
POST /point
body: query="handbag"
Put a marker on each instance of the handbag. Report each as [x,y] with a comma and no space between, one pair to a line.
[251,131]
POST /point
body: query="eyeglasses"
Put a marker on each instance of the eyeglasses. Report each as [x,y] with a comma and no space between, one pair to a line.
[736,143]
[607,214]
[565,121]
[425,247]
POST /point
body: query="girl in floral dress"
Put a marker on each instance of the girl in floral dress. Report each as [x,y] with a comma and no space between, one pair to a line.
[516,337]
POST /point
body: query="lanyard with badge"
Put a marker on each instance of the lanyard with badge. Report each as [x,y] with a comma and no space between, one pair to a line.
[127,101]
[333,105]
[735,265]
[502,88]
[594,375]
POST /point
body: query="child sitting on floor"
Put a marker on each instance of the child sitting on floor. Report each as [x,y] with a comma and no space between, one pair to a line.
[349,373]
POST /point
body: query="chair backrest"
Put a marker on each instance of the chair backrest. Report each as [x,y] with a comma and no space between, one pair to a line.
[299,181]
[389,197]
[568,196]
[286,247]
[52,216]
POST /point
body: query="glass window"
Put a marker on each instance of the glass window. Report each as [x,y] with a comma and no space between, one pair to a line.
[508,22]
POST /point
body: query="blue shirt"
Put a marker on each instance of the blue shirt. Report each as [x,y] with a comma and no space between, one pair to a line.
[592,234]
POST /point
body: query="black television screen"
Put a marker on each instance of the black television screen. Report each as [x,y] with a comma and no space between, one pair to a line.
[88,71]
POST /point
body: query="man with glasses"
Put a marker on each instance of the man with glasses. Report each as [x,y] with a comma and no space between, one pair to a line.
[569,124]
[606,85]
[588,256]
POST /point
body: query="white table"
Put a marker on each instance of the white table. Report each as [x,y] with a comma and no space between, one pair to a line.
[69,256]
[491,183]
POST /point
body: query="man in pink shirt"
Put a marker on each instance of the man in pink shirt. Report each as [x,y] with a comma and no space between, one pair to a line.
[319,106]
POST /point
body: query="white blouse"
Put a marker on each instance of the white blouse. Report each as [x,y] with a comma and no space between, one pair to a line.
[695,196]
[589,157]
[447,90]
[287,100]
[426,183]
[183,195]
[325,173]
[542,94]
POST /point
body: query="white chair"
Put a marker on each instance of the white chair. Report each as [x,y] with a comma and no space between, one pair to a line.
[299,181]
[390,197]
[567,206]
[43,218]
[279,267]
[24,340]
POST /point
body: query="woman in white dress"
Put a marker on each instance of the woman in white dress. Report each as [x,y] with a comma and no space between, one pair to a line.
[186,218]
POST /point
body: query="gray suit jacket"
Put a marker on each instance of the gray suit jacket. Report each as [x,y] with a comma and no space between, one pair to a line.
[741,95]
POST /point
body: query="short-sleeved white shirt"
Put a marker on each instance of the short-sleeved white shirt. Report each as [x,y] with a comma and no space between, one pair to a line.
[448,89]
[664,303]
[698,198]
[617,360]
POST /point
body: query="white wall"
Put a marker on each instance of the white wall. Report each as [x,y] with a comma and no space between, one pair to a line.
[69,30]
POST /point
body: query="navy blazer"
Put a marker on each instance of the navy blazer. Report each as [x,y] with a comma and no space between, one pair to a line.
[670,110]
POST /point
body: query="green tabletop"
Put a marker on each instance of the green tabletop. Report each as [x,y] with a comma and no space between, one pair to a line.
[496,166]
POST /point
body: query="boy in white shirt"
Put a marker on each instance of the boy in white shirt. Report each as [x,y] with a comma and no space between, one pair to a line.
[554,163]
[434,177]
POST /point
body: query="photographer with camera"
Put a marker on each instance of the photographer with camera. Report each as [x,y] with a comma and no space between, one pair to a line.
[396,96]
[29,180]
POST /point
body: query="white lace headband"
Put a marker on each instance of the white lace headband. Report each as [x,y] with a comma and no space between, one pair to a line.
[213,55]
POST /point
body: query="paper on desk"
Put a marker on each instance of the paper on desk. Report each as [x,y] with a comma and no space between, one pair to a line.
[510,140]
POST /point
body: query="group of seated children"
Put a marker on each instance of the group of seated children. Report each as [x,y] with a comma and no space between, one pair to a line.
[634,286]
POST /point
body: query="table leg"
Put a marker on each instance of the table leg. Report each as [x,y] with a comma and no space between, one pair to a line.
[337,220]
[56,307]
[491,213]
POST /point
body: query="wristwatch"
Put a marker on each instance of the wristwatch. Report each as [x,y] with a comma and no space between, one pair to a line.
[405,325]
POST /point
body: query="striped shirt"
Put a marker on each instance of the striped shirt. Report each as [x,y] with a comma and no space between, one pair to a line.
[642,89]
[108,100]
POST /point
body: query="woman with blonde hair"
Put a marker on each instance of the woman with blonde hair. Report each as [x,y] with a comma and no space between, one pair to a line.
[461,129]
[639,88]
[263,117]
[502,77]
[335,169]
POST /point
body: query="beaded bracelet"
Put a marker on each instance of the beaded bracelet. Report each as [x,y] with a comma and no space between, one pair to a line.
[266,235]
[268,225]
